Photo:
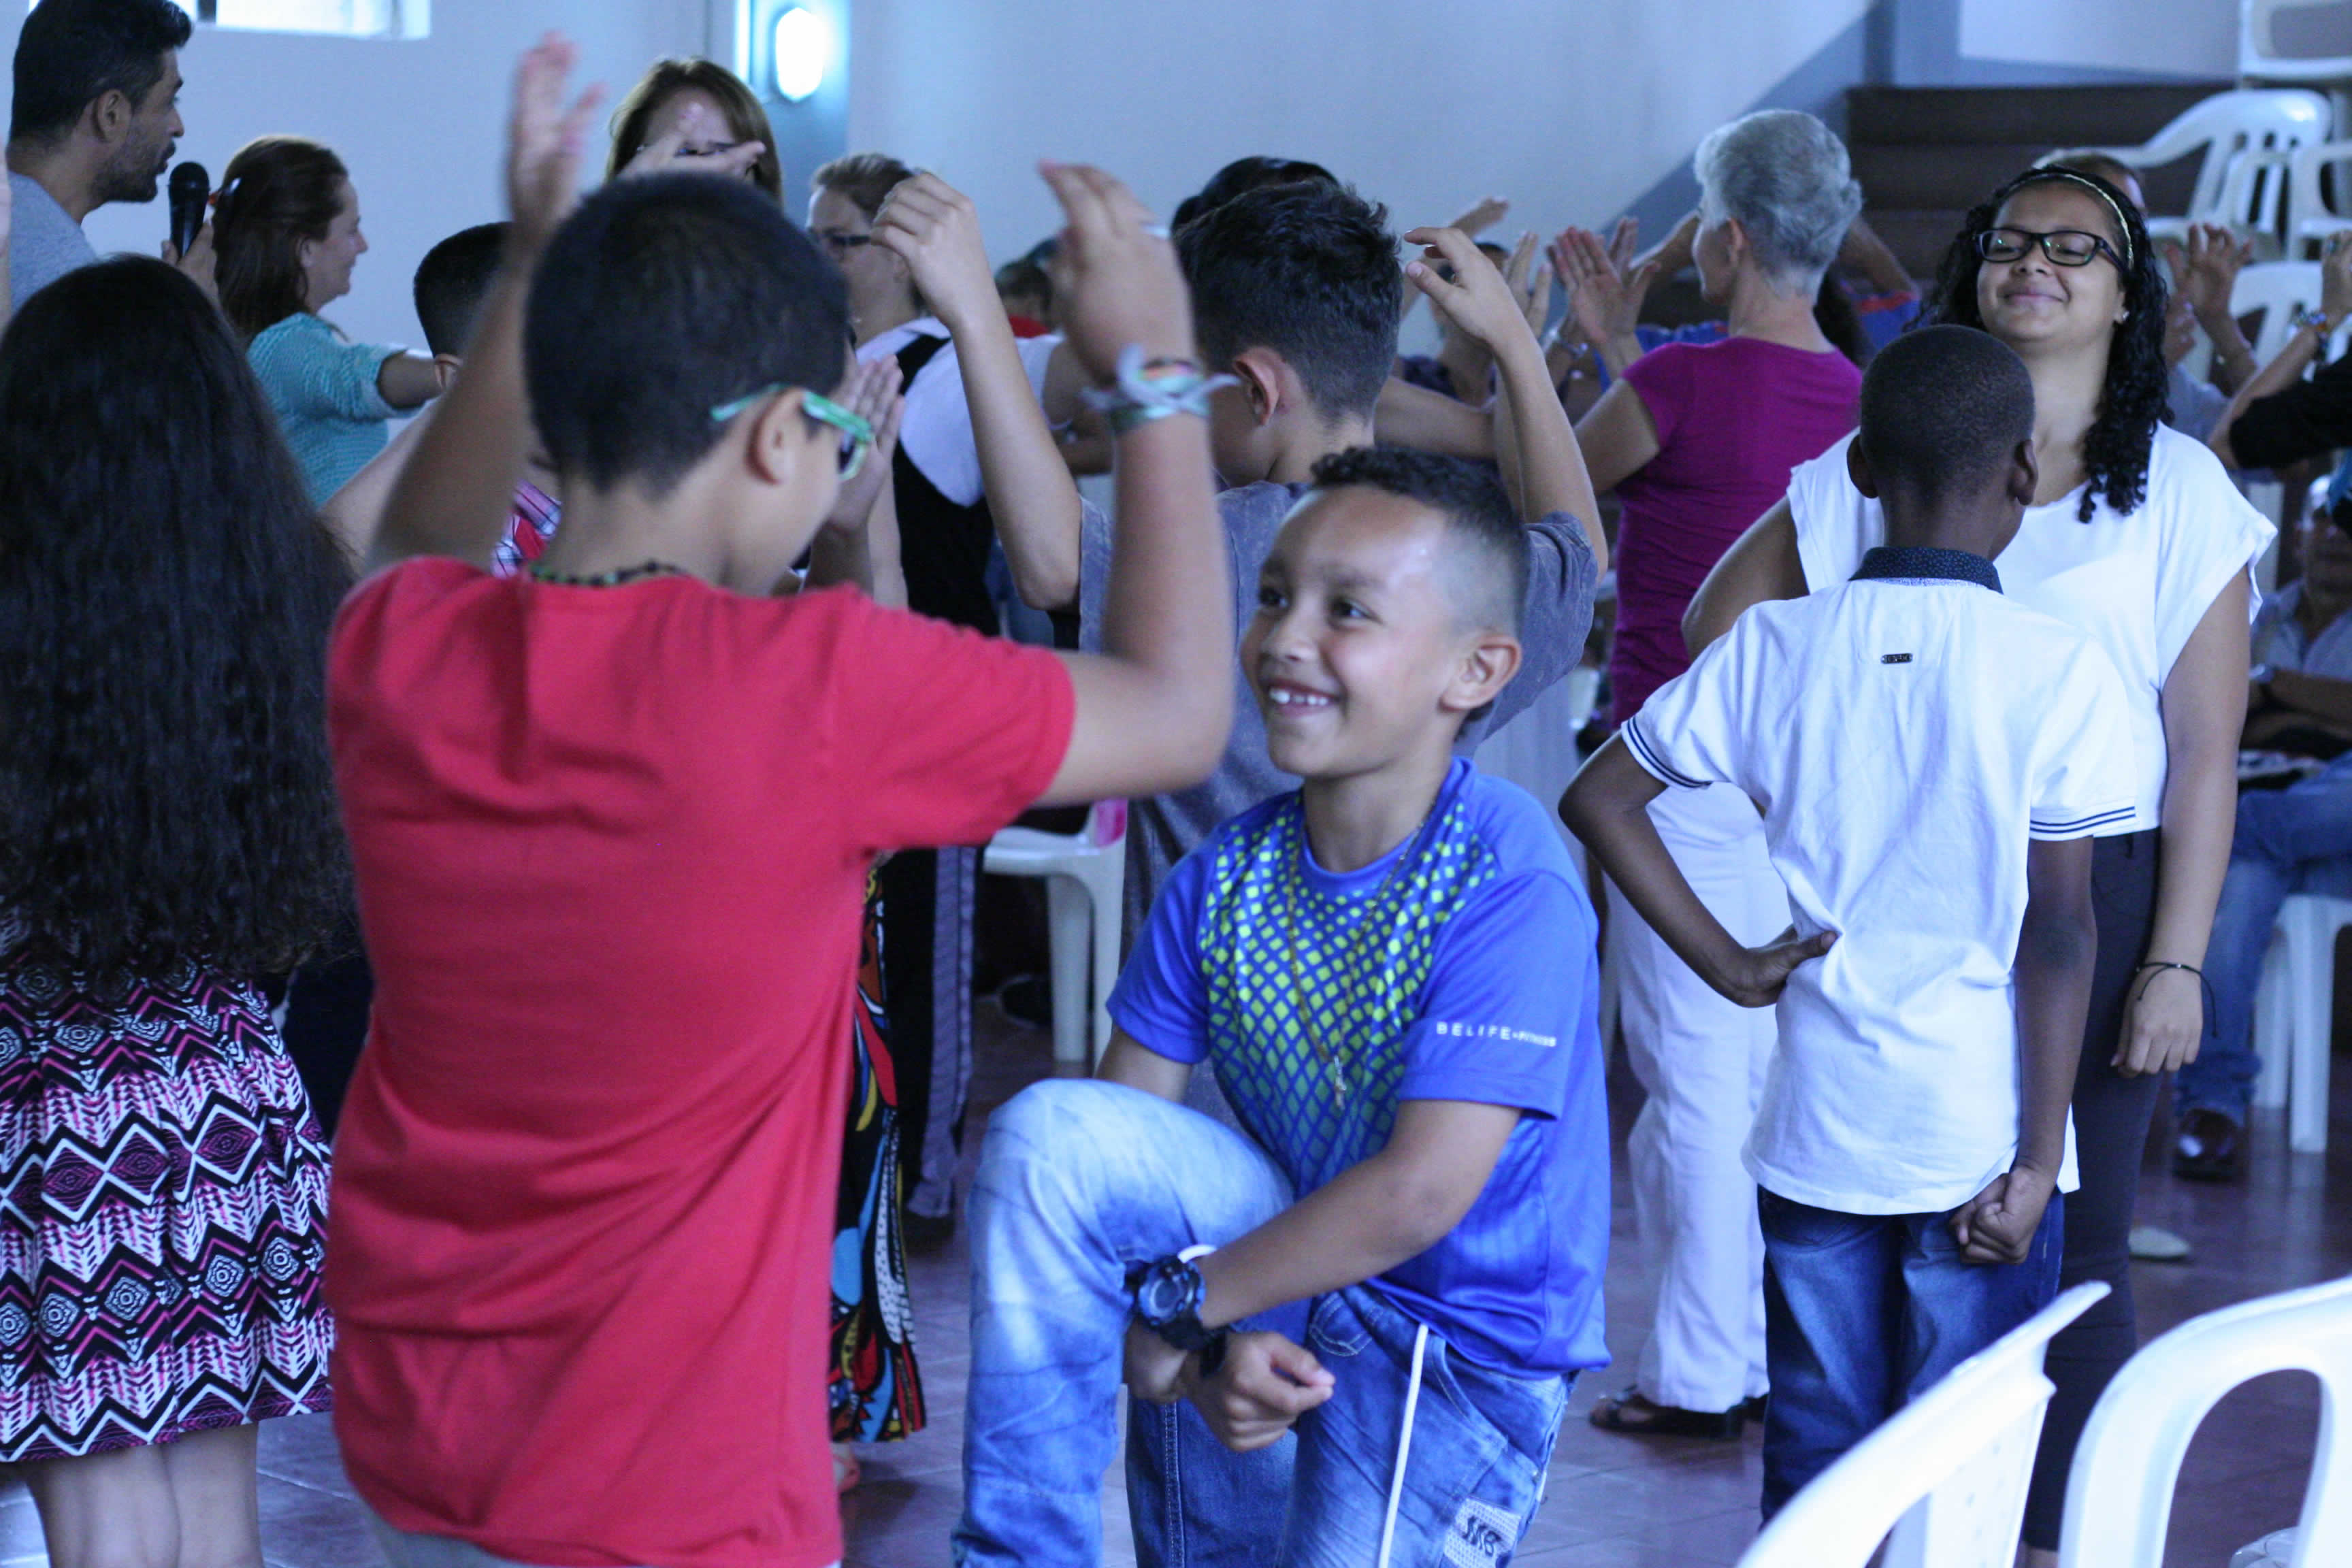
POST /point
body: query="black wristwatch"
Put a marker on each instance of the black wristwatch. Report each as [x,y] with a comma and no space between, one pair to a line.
[1167,1299]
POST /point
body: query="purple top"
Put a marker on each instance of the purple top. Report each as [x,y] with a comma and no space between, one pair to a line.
[1733,418]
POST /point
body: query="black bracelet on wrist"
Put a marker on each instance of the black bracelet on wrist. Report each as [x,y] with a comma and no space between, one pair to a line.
[2156,964]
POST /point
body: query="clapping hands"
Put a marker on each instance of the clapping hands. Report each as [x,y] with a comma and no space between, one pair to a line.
[1605,302]
[870,391]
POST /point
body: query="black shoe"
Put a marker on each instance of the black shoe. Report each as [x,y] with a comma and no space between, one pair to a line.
[2207,1148]
[1637,1417]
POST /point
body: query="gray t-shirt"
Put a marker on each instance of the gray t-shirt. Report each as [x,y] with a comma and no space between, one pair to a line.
[2195,406]
[44,241]
[1164,828]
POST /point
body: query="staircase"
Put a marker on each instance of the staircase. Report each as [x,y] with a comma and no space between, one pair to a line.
[1927,155]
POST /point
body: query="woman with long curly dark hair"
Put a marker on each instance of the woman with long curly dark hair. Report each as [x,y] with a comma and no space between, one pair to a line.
[165,591]
[2136,537]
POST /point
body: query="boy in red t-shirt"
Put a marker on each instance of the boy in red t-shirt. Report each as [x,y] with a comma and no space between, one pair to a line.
[612,821]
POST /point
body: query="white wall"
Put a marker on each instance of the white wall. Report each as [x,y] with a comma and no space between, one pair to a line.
[1572,107]
[2182,37]
[420,123]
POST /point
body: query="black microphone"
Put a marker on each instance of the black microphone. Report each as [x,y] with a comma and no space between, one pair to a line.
[191,189]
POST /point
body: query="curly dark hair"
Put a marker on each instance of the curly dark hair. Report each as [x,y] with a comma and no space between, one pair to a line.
[2132,404]
[166,594]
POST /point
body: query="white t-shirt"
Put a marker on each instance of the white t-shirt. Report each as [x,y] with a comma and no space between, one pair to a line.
[936,429]
[2136,585]
[1904,737]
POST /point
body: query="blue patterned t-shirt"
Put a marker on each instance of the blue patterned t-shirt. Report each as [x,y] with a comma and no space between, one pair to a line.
[1459,966]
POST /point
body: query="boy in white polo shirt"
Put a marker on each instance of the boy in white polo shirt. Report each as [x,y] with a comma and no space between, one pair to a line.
[1931,761]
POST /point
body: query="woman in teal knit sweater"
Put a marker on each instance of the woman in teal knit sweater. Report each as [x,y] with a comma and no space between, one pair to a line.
[287,231]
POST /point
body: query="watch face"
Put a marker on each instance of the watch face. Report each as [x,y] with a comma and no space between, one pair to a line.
[1161,1295]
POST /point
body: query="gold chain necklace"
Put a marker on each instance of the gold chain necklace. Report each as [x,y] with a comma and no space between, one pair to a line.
[1334,1067]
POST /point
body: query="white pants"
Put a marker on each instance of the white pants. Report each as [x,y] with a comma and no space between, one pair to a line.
[1702,1060]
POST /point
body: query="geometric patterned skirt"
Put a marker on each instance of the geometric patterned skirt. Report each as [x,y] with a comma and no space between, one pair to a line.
[874,1392]
[163,1215]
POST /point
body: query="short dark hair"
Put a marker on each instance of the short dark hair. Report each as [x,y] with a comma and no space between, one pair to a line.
[73,52]
[453,281]
[164,602]
[1308,270]
[277,191]
[1487,548]
[660,298]
[1942,410]
[1243,176]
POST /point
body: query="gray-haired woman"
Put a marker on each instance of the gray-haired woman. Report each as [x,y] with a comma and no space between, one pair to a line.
[1698,439]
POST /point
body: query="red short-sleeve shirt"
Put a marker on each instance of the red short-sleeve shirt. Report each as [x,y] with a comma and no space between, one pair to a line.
[610,847]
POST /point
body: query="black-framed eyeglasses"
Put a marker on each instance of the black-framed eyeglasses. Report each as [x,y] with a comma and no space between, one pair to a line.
[840,241]
[2064,247]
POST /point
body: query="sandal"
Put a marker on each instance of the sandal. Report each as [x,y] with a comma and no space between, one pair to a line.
[846,1472]
[1637,1417]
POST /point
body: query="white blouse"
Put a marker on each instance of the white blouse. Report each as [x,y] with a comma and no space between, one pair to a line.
[2137,585]
[936,429]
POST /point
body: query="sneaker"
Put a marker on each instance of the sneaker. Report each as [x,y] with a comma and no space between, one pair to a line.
[2154,1244]
[2207,1147]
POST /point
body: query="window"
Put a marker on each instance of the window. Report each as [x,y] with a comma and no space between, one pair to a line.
[350,18]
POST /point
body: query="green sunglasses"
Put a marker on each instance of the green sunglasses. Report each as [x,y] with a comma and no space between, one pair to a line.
[856,433]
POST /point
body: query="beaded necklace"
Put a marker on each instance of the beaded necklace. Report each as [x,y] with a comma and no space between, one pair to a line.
[612,579]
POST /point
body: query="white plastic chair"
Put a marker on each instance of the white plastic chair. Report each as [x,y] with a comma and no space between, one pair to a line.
[2314,171]
[2278,290]
[2119,1496]
[2248,137]
[1086,879]
[2260,58]
[2294,1015]
[1947,1474]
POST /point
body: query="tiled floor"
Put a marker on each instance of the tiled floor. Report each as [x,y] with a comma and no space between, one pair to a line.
[1612,1501]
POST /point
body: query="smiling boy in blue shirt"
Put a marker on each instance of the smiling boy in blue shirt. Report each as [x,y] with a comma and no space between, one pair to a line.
[1391,972]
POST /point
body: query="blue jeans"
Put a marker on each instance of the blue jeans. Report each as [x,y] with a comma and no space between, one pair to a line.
[1865,1312]
[1077,1180]
[2294,840]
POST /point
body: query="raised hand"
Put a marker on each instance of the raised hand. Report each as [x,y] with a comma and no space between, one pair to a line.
[1479,302]
[666,153]
[544,141]
[1997,1227]
[871,390]
[1265,1384]
[1606,306]
[1489,212]
[1530,284]
[2205,272]
[2336,276]
[1624,243]
[1759,974]
[933,227]
[1118,273]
